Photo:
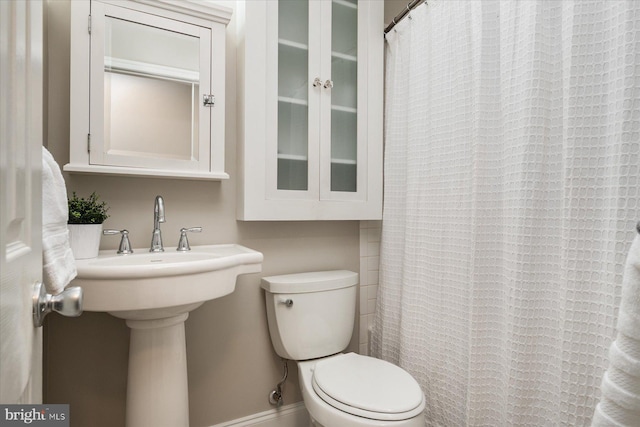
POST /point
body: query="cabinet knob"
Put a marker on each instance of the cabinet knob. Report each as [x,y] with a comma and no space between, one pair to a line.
[208,100]
[328,84]
[317,82]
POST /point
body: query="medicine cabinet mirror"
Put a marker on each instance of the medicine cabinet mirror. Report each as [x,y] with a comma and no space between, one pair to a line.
[147,88]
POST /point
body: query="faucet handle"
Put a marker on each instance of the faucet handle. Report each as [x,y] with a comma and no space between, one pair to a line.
[183,244]
[125,244]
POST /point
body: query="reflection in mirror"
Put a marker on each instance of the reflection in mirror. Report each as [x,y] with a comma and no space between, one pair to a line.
[151,91]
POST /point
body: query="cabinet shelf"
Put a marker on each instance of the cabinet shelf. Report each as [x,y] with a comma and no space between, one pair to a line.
[343,162]
[344,109]
[139,68]
[289,100]
[291,43]
[297,157]
[301,158]
[345,4]
[344,56]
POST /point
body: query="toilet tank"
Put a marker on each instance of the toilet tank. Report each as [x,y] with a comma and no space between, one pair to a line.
[311,315]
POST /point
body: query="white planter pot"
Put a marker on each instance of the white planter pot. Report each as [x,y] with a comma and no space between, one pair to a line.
[85,240]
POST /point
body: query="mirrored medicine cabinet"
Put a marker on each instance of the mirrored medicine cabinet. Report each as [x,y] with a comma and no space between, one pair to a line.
[147,88]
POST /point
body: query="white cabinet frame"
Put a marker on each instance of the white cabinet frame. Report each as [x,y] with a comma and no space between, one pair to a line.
[258,196]
[84,122]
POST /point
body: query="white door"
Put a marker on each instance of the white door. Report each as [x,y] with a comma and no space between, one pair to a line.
[21,123]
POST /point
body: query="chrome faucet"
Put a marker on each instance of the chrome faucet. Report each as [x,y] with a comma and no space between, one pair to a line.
[158,217]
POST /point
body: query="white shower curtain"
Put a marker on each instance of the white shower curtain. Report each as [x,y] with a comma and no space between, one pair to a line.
[511,196]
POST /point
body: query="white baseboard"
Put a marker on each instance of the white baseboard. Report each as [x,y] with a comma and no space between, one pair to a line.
[294,415]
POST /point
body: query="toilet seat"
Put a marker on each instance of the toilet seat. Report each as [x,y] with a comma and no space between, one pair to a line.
[368,387]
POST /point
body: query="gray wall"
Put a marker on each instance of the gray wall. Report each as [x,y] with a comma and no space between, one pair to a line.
[232,366]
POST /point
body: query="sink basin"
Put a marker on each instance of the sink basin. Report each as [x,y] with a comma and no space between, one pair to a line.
[155,292]
[160,284]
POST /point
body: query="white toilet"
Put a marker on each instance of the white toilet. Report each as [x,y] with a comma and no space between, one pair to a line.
[311,318]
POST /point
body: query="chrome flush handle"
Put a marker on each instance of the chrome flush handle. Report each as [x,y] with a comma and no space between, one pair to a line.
[288,302]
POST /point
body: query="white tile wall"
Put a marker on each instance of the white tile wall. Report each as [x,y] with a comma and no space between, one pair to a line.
[370,232]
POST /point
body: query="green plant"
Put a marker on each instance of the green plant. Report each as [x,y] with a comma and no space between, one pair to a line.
[87,211]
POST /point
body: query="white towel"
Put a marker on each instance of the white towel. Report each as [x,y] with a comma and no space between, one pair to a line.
[620,402]
[59,266]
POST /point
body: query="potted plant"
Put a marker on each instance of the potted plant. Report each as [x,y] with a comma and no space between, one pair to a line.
[85,225]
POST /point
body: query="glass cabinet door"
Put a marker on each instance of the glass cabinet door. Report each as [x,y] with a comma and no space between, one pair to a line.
[317,125]
[293,95]
[344,95]
[311,130]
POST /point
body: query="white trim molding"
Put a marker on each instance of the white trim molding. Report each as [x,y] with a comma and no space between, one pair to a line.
[206,9]
[294,415]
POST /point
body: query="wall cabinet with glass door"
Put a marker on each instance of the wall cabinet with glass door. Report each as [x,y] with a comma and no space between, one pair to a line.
[147,88]
[310,123]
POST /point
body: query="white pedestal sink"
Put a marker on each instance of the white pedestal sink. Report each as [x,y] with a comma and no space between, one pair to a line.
[154,293]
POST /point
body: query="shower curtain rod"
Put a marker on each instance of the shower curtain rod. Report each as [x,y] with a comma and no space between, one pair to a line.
[410,6]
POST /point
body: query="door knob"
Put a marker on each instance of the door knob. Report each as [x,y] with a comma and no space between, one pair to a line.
[68,303]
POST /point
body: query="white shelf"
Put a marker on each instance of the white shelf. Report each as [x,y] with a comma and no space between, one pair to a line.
[344,109]
[296,101]
[150,173]
[139,68]
[297,157]
[344,56]
[343,162]
[300,158]
[293,44]
[346,4]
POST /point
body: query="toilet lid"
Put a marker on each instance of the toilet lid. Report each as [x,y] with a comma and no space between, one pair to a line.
[368,387]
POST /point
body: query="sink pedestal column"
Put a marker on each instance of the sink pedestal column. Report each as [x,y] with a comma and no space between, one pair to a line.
[154,292]
[157,392]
